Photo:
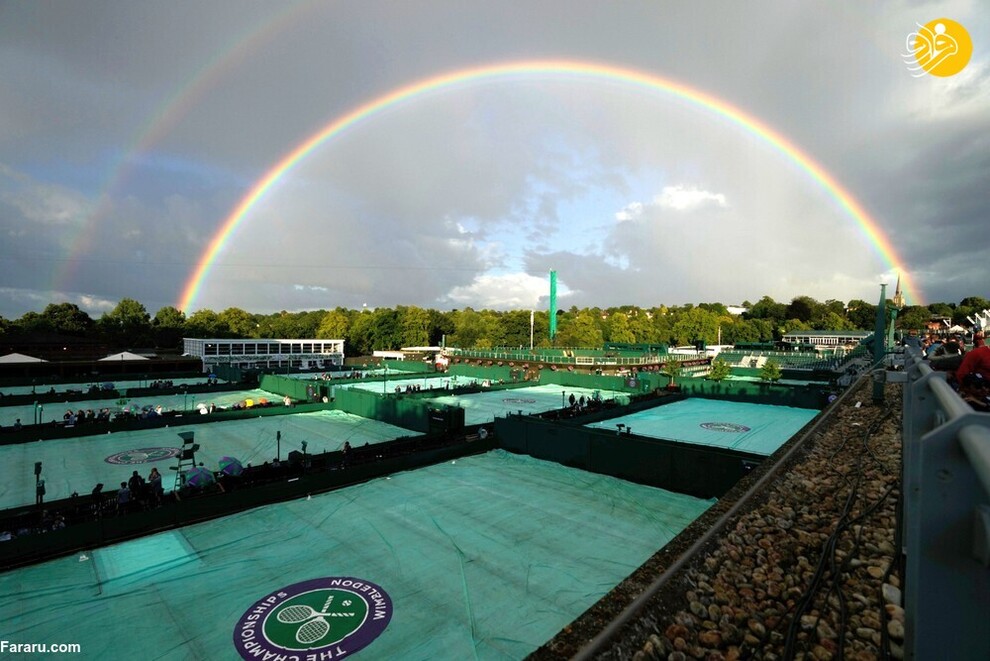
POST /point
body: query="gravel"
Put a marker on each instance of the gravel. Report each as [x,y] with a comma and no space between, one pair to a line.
[807,569]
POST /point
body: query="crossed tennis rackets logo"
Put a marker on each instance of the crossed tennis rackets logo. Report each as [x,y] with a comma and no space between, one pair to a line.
[313,625]
[328,617]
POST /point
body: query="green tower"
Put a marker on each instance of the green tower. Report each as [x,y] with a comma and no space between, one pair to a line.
[553,305]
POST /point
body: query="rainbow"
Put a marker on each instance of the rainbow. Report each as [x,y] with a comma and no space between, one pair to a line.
[577,69]
[183,98]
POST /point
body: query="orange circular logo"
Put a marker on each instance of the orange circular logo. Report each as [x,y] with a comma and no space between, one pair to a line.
[941,48]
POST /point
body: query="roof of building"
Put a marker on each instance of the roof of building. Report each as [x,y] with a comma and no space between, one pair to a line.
[830,333]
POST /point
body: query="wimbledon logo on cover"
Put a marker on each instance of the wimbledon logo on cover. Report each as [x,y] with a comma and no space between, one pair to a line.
[320,619]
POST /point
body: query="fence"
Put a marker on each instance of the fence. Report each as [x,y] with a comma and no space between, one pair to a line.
[576,356]
[946,485]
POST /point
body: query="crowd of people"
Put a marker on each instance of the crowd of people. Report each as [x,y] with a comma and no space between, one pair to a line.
[968,371]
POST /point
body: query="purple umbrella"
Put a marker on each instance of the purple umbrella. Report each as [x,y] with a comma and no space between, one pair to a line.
[231,466]
[199,477]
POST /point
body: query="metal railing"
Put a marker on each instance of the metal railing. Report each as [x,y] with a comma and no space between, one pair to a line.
[536,358]
[946,514]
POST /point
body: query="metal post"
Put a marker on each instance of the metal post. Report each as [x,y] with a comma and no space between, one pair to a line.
[879,346]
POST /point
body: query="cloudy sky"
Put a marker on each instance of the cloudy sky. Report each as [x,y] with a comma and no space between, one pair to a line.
[131,131]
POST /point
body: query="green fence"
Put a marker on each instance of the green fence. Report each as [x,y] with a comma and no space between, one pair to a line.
[493,373]
[410,366]
[593,381]
[805,397]
[297,389]
[47,432]
[406,412]
[697,470]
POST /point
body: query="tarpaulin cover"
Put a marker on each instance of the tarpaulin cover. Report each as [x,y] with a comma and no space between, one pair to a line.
[42,388]
[179,402]
[77,464]
[756,428]
[485,557]
[484,406]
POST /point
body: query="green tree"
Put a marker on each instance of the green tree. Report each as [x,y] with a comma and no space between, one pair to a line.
[619,329]
[643,328]
[414,325]
[833,321]
[359,334]
[741,330]
[515,324]
[288,325]
[862,315]
[68,319]
[941,309]
[169,327]
[767,308]
[580,331]
[977,303]
[804,309]
[663,325]
[33,323]
[238,323]
[386,333]
[205,324]
[771,371]
[720,370]
[334,325]
[441,326]
[913,317]
[697,324]
[672,369]
[128,324]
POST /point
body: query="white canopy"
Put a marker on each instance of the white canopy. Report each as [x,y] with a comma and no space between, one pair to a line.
[20,358]
[125,355]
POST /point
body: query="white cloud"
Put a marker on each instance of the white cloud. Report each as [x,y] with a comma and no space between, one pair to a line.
[508,291]
[676,198]
[682,198]
[44,203]
[630,212]
[38,299]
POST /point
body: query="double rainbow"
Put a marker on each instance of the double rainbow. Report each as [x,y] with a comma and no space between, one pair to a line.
[549,68]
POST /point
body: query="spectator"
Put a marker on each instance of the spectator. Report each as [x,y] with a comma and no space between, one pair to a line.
[155,483]
[975,362]
[973,376]
[123,499]
[136,486]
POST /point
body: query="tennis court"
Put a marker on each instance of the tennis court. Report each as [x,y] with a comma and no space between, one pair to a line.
[179,402]
[485,557]
[77,464]
[483,407]
[389,385]
[756,428]
[84,386]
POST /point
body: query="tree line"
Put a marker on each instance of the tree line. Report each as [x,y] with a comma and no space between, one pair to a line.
[130,325]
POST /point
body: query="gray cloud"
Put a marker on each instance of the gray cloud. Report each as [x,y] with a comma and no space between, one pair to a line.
[477,191]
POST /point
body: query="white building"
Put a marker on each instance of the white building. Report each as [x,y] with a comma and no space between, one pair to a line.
[302,354]
[827,339]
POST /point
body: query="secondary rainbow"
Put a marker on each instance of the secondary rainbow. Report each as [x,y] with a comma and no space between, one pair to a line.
[553,68]
[183,98]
